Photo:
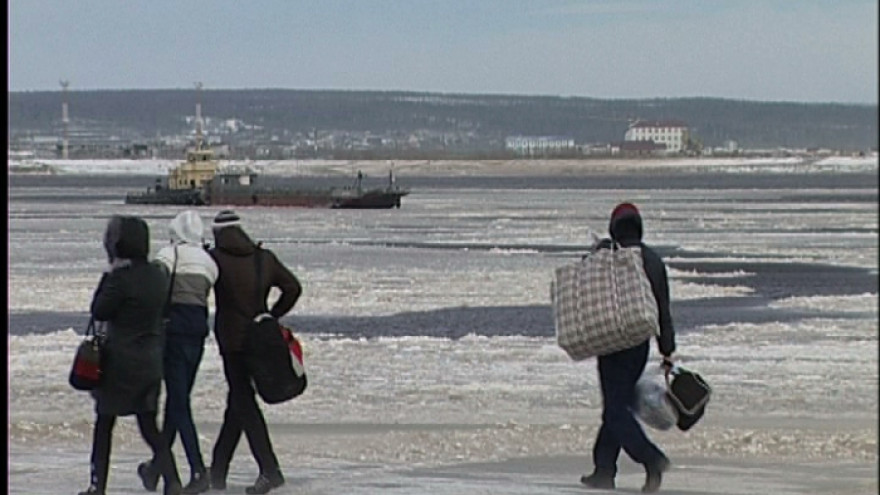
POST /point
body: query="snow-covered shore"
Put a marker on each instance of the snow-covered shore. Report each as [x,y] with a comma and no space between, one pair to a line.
[154,167]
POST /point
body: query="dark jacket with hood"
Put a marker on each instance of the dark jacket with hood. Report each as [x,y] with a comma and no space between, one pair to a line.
[236,293]
[130,299]
[626,229]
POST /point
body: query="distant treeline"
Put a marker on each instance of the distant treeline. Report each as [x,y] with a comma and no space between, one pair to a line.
[487,118]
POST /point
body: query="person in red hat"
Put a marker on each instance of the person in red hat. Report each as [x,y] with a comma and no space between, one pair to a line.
[619,371]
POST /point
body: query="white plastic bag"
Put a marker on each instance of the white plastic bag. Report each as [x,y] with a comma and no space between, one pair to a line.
[652,405]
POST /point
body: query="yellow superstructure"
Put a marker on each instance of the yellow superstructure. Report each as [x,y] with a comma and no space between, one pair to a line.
[199,168]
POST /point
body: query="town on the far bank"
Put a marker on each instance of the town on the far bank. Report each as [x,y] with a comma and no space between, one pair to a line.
[643,139]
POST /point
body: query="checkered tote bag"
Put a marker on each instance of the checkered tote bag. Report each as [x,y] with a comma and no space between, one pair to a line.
[604,303]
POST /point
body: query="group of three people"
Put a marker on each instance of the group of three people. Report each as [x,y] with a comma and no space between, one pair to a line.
[131,298]
[156,315]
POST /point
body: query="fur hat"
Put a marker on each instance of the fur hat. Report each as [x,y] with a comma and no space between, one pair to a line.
[187,227]
[226,218]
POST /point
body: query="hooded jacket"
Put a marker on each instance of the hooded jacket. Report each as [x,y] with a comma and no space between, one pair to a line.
[238,297]
[626,229]
[130,299]
[194,275]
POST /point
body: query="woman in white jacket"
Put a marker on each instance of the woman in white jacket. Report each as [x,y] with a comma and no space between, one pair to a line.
[194,273]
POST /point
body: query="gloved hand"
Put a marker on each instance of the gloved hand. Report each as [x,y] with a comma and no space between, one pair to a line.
[667,363]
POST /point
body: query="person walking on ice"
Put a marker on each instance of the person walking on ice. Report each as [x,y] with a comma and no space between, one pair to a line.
[619,371]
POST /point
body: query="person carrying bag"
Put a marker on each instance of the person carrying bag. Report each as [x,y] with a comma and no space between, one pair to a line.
[268,357]
[631,317]
[247,274]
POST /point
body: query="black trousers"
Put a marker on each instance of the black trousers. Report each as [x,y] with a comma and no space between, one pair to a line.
[242,415]
[100,461]
[618,374]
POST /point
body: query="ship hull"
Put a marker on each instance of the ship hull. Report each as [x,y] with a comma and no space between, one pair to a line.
[330,198]
[372,200]
[166,197]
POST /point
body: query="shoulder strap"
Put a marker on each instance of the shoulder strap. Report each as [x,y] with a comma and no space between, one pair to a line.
[171,285]
[258,262]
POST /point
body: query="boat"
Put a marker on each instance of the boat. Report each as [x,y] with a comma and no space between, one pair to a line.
[200,181]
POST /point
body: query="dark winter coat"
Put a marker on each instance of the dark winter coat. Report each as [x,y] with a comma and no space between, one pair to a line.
[237,297]
[130,299]
[626,229]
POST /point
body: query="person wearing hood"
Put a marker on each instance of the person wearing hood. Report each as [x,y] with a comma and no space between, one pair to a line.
[130,298]
[619,371]
[193,273]
[241,293]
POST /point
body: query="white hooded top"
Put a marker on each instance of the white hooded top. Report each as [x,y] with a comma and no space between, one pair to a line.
[196,271]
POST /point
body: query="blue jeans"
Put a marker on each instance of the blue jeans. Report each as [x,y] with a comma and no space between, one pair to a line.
[618,374]
[181,360]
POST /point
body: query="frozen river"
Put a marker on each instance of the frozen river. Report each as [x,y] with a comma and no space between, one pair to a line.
[427,329]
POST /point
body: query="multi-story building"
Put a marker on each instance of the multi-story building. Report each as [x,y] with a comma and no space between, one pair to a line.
[671,133]
[538,145]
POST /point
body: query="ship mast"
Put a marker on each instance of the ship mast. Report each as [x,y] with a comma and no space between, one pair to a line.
[198,115]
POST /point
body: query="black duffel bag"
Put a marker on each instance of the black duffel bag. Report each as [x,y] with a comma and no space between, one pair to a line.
[690,394]
[270,363]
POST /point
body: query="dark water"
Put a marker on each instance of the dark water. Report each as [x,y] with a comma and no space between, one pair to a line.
[770,281]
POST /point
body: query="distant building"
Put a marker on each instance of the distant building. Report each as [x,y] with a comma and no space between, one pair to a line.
[673,134]
[637,148]
[538,145]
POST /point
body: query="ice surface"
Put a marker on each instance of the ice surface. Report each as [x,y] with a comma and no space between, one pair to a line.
[799,394]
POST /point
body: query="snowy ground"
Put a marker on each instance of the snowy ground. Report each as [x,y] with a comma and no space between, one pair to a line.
[457,167]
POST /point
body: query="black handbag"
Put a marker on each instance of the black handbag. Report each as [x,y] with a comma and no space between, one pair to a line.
[85,374]
[690,394]
[268,354]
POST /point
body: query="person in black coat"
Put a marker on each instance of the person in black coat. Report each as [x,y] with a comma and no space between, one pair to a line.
[619,371]
[241,294]
[130,298]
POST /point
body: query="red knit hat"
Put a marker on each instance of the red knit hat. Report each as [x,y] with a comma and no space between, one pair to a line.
[622,209]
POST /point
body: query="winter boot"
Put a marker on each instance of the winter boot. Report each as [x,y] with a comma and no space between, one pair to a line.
[218,478]
[265,482]
[654,474]
[149,475]
[199,482]
[600,478]
[172,488]
[91,490]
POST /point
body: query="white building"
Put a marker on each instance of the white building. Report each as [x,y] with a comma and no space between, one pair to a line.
[538,145]
[671,133]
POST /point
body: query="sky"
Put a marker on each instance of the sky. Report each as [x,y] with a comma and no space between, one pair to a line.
[765,50]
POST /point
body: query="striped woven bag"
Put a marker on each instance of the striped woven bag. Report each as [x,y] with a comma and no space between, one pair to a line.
[604,303]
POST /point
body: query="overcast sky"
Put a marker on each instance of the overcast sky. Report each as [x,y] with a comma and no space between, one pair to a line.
[786,50]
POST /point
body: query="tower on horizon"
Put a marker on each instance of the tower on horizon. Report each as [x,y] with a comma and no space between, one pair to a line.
[198,115]
[64,118]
